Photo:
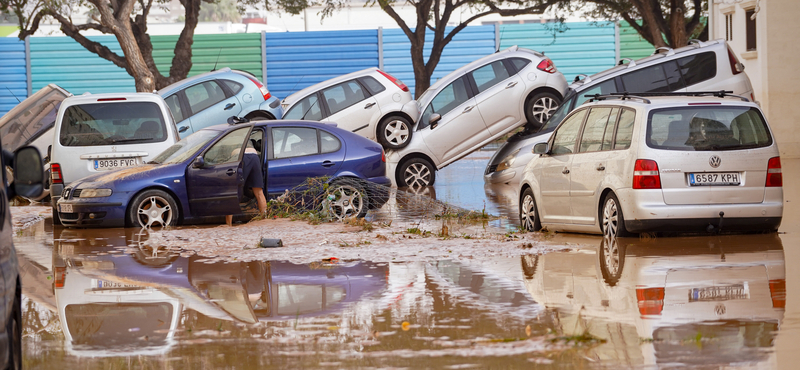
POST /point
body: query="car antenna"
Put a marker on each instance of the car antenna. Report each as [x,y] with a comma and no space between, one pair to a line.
[215,63]
[309,109]
[12,94]
[295,84]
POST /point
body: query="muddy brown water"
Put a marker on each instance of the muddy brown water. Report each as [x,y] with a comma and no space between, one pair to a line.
[99,299]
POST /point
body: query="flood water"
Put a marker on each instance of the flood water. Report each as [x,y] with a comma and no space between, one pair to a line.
[98,299]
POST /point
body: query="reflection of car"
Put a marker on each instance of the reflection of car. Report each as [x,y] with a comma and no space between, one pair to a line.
[671,301]
[202,175]
[701,66]
[663,164]
[210,98]
[31,123]
[474,105]
[369,102]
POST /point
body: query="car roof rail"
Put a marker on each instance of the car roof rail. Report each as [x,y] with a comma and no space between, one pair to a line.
[586,78]
[717,93]
[620,96]
[697,42]
[631,62]
[669,51]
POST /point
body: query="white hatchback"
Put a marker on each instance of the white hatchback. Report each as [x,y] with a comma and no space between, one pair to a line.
[625,164]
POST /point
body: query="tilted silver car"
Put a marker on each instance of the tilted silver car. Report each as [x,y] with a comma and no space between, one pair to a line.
[473,106]
[656,164]
[701,66]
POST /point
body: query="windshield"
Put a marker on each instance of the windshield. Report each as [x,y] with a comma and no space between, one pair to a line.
[31,118]
[559,114]
[701,128]
[186,148]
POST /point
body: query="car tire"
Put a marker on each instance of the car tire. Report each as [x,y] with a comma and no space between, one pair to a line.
[539,107]
[14,332]
[394,132]
[613,221]
[416,172]
[528,213]
[152,207]
[347,198]
[260,117]
[56,219]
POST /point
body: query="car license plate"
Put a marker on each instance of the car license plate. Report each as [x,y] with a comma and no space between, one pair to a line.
[65,208]
[102,284]
[715,178]
[719,293]
[113,164]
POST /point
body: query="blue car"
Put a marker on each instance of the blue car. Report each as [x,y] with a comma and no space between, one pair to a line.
[209,98]
[202,176]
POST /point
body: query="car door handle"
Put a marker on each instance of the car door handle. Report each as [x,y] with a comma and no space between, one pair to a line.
[184,128]
[369,105]
[327,164]
[511,84]
[467,109]
[601,168]
[229,106]
[230,172]
[565,171]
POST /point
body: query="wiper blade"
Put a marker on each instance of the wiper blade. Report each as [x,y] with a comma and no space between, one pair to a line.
[131,140]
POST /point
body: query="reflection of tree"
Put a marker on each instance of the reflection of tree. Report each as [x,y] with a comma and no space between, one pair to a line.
[39,323]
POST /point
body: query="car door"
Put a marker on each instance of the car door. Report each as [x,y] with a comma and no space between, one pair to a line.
[499,92]
[180,113]
[210,104]
[299,153]
[215,188]
[352,107]
[554,181]
[461,127]
[590,164]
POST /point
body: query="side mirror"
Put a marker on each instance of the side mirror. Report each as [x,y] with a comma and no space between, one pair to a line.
[541,148]
[199,162]
[434,119]
[28,172]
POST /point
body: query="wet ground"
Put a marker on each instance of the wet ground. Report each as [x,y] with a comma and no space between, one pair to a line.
[103,299]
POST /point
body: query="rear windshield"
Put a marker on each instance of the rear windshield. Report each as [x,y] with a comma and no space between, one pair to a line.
[117,123]
[702,128]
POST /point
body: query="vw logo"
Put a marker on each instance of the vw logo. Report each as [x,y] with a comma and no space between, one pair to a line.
[714,161]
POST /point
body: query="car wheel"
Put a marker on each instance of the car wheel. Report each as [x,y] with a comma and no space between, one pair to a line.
[14,332]
[259,117]
[153,208]
[612,259]
[529,264]
[347,198]
[528,214]
[540,107]
[613,221]
[56,219]
[394,132]
[416,172]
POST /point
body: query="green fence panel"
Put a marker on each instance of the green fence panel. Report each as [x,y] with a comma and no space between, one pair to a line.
[631,44]
[240,51]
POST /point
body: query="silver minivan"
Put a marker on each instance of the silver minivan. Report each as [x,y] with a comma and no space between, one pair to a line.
[624,164]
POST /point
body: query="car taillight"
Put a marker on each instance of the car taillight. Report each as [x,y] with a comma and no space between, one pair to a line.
[645,175]
[263,89]
[60,275]
[546,65]
[651,300]
[55,174]
[736,67]
[394,80]
[383,156]
[777,290]
[774,174]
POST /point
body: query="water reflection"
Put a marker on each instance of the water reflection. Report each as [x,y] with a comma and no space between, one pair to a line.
[694,300]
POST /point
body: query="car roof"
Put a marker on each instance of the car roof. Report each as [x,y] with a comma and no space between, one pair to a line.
[667,101]
[112,97]
[332,81]
[180,84]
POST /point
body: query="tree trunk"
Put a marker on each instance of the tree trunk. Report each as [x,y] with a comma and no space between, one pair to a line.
[145,80]
[422,79]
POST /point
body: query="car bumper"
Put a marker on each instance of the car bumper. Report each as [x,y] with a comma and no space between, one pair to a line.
[502,177]
[55,194]
[646,211]
[91,214]
[273,106]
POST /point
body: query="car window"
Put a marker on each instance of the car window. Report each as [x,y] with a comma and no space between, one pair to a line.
[227,149]
[624,129]
[308,108]
[594,130]
[204,95]
[256,143]
[567,134]
[328,142]
[698,68]
[36,116]
[559,115]
[606,87]
[707,128]
[450,97]
[673,74]
[648,79]
[490,75]
[608,135]
[293,142]
[372,85]
[174,104]
[520,63]
[233,85]
[117,123]
[343,96]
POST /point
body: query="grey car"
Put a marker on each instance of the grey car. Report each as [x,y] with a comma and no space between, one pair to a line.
[211,98]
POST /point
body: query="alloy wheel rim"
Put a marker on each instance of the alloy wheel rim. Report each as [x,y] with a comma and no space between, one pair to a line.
[528,213]
[417,174]
[154,210]
[543,108]
[610,219]
[347,202]
[396,132]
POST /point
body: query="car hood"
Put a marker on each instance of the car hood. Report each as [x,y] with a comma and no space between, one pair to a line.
[118,178]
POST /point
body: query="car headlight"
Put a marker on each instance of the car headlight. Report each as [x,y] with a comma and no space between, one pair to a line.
[508,161]
[95,193]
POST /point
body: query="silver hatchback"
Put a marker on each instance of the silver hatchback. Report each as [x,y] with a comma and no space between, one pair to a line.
[625,164]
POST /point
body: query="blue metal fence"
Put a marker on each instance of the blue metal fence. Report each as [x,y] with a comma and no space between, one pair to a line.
[13,73]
